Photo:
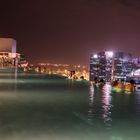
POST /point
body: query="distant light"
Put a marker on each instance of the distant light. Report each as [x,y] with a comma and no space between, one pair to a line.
[95,56]
[136,73]
[109,54]
[132,73]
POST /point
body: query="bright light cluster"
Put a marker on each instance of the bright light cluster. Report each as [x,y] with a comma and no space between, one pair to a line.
[109,54]
[95,56]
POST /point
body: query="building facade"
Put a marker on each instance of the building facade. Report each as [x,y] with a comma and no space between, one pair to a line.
[105,65]
[8,45]
[9,58]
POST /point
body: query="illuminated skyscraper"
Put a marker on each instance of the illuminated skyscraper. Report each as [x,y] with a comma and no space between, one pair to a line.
[104,65]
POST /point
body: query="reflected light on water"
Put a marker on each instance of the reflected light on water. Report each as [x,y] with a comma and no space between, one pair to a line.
[91,94]
[106,105]
[137,104]
[100,105]
[91,101]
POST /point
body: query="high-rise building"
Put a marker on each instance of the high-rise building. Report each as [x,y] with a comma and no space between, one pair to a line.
[123,64]
[105,65]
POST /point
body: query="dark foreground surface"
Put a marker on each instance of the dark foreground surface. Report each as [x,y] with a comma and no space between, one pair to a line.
[47,107]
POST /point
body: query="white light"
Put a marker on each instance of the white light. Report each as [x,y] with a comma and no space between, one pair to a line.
[137,72]
[109,54]
[95,56]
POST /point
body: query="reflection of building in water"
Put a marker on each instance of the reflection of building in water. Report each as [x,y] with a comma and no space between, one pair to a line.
[91,101]
[100,105]
[9,58]
[106,105]
[137,105]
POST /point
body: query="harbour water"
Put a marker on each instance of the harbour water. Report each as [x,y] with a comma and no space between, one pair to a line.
[48,107]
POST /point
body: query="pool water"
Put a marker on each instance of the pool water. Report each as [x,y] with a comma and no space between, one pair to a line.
[50,107]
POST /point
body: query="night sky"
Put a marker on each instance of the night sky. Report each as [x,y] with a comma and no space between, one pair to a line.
[68,31]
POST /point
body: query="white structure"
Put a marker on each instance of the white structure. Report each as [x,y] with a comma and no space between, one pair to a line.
[8,45]
[9,58]
[8,55]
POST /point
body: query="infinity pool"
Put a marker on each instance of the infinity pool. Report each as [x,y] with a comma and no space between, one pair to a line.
[48,107]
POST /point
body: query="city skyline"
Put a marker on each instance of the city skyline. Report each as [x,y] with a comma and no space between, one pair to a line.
[69,31]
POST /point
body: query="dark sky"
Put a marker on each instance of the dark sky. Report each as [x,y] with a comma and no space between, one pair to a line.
[68,31]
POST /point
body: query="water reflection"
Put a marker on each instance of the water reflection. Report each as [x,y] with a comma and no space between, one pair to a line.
[71,83]
[64,112]
[8,81]
[91,101]
[137,104]
[15,79]
[106,105]
[100,104]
